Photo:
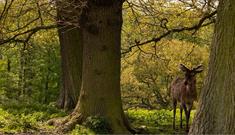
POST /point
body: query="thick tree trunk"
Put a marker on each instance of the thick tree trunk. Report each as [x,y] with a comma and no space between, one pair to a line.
[216,113]
[100,94]
[71,55]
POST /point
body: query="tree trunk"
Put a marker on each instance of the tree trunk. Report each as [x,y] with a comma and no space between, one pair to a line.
[216,113]
[22,63]
[71,55]
[8,65]
[100,93]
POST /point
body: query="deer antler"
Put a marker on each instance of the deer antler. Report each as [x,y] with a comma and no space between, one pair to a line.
[184,68]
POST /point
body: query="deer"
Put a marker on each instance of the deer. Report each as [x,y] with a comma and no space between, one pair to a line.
[183,90]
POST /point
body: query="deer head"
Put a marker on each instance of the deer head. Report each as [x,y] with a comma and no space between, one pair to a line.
[190,74]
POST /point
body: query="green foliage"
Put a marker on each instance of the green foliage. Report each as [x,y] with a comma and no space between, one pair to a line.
[30,70]
[98,124]
[155,121]
[93,125]
[155,117]
[146,78]
[34,73]
[18,117]
[81,130]
[148,70]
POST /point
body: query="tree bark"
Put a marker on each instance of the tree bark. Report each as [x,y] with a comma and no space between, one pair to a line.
[100,93]
[71,54]
[216,113]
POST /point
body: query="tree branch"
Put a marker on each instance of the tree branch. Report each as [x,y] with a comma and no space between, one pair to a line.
[176,30]
[29,32]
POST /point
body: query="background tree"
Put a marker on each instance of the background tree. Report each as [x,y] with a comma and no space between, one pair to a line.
[71,52]
[30,58]
[216,113]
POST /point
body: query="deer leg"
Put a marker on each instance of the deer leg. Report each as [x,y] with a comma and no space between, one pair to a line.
[181,110]
[174,112]
[186,115]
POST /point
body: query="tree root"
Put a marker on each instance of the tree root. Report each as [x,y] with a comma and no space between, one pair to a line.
[55,121]
[68,123]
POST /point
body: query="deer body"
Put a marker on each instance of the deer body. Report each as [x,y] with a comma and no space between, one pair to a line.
[184,93]
[183,90]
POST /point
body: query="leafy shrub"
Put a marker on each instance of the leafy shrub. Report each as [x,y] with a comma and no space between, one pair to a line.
[81,130]
[98,124]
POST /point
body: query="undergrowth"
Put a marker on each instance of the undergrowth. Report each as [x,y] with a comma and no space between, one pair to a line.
[156,121]
[18,117]
[25,117]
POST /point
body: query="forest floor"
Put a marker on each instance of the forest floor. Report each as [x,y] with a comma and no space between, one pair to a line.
[156,121]
[31,118]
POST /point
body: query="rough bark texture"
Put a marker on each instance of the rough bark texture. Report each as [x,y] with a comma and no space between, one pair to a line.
[100,93]
[216,113]
[71,55]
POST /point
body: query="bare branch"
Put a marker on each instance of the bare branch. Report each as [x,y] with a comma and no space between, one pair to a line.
[30,32]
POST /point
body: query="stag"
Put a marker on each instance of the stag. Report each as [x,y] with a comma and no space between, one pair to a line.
[183,90]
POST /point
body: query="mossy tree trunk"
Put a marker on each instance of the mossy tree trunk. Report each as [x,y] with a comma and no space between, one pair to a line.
[216,113]
[71,53]
[100,93]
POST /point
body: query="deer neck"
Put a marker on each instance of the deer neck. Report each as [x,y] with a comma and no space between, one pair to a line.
[190,85]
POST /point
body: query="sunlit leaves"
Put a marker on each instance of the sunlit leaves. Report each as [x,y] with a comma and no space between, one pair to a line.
[149,71]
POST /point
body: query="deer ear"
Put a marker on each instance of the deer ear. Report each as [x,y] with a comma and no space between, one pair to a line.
[198,69]
[183,68]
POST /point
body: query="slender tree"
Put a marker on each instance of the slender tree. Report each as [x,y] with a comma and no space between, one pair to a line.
[216,113]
